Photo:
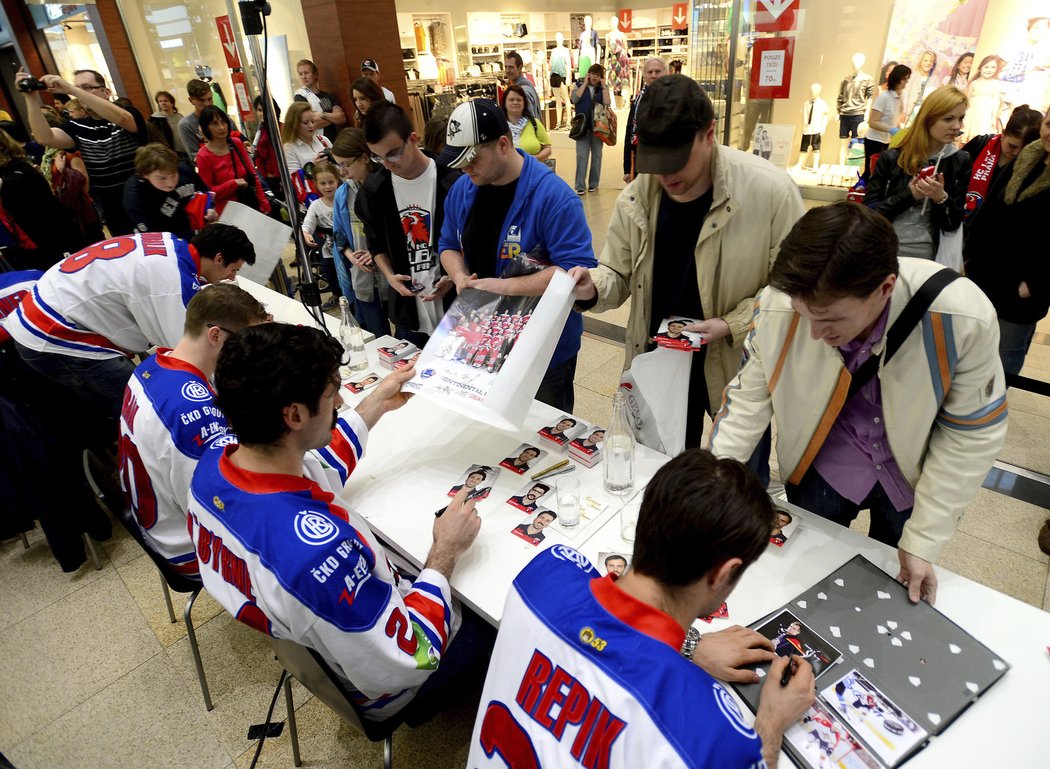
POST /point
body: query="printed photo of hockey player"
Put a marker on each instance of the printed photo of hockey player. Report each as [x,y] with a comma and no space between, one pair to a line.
[672,335]
[785,527]
[887,729]
[480,333]
[532,531]
[522,458]
[590,442]
[613,563]
[478,480]
[366,382]
[823,741]
[791,636]
[562,431]
[527,500]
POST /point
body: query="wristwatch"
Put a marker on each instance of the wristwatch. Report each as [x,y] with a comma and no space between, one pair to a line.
[692,638]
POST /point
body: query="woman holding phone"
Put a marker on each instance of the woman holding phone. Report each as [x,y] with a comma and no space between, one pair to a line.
[920,185]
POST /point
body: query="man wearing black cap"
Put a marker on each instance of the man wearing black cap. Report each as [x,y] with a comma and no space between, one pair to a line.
[511,206]
[370,69]
[693,236]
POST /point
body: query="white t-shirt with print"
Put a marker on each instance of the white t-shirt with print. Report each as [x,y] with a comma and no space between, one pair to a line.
[416,202]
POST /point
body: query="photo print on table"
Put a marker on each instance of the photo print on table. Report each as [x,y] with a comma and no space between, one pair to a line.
[478,479]
[613,563]
[672,335]
[527,500]
[589,442]
[790,635]
[564,429]
[523,458]
[821,740]
[533,531]
[480,333]
[890,732]
[367,382]
[786,525]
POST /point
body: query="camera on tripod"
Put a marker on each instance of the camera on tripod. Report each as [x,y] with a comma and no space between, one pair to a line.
[30,84]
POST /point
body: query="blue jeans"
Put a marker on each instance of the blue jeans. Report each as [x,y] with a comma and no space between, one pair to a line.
[342,274]
[815,494]
[759,461]
[97,384]
[371,316]
[589,147]
[556,387]
[1014,341]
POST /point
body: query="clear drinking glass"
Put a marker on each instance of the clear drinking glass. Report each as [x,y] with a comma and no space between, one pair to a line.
[568,492]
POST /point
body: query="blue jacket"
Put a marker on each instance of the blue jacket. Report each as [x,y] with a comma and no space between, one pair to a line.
[545,220]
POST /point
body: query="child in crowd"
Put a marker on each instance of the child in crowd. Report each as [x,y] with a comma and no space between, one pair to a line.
[163,196]
[318,221]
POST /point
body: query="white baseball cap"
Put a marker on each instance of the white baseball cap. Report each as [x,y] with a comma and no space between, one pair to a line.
[473,123]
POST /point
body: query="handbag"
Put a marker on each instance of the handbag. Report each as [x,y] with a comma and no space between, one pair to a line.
[605,124]
[245,195]
[578,128]
[556,80]
[950,249]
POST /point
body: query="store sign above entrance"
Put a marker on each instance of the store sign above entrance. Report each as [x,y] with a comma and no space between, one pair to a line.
[776,15]
[680,17]
[625,15]
[771,60]
[229,46]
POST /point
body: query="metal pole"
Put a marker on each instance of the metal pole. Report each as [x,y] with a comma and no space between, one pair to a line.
[735,25]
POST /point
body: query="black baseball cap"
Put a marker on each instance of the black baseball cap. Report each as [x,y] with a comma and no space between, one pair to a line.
[472,123]
[369,64]
[671,112]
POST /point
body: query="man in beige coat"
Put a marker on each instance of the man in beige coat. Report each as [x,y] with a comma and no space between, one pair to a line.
[693,236]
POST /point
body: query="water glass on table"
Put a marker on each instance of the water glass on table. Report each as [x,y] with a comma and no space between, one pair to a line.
[568,493]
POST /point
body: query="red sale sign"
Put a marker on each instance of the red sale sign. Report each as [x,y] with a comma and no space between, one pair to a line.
[776,15]
[680,17]
[625,15]
[771,60]
[229,46]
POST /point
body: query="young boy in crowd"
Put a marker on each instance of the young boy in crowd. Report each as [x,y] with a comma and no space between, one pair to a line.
[163,196]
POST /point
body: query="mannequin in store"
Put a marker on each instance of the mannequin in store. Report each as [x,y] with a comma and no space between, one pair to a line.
[855,92]
[616,67]
[814,123]
[561,67]
[589,47]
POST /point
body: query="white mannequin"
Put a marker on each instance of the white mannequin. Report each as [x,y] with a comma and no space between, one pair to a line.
[587,47]
[561,94]
[814,123]
[613,40]
[855,93]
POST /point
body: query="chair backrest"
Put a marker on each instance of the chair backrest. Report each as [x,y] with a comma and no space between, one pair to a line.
[312,672]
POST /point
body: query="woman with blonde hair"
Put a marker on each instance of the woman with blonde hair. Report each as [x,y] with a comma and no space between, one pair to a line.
[920,185]
[303,145]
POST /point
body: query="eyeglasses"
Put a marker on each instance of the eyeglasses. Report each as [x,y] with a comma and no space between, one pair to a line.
[216,325]
[92,88]
[393,157]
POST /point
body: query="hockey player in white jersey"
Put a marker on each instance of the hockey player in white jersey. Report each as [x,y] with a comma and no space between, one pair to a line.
[169,419]
[589,671]
[282,552]
[90,312]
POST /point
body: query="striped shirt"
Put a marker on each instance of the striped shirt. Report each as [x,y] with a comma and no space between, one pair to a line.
[107,149]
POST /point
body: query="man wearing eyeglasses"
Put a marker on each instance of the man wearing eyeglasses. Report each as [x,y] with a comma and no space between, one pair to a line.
[107,138]
[402,208]
[168,419]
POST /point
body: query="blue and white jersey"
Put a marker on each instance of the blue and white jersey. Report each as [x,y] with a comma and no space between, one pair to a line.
[585,675]
[167,422]
[14,286]
[285,555]
[120,296]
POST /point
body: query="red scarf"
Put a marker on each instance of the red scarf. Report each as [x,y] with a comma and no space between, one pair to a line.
[981,178]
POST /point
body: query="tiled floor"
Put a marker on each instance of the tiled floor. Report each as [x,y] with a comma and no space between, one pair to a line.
[94,674]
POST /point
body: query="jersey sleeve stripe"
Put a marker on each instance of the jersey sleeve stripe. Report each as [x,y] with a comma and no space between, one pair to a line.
[432,614]
[44,322]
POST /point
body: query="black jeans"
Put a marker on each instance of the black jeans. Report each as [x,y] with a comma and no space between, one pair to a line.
[556,387]
[815,494]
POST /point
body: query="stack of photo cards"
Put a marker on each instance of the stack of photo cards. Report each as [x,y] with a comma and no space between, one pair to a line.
[523,458]
[672,335]
[408,361]
[478,479]
[391,354]
[890,674]
[561,431]
[586,448]
[787,525]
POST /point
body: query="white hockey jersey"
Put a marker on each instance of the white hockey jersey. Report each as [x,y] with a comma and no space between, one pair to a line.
[13,287]
[167,421]
[116,297]
[585,675]
[283,554]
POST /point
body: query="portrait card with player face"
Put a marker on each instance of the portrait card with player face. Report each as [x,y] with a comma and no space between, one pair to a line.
[534,530]
[721,613]
[396,351]
[786,525]
[528,498]
[672,335]
[478,479]
[409,361]
[367,382]
[523,458]
[791,636]
[562,430]
[613,563]
[589,441]
[821,740]
[890,732]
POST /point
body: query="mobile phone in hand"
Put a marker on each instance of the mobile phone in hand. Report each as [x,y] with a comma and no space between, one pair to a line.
[927,172]
[414,286]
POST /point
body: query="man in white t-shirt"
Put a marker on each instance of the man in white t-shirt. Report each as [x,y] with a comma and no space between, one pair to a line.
[370,69]
[402,208]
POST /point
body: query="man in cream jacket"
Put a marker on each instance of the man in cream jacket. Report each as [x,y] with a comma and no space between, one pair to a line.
[912,445]
[693,236]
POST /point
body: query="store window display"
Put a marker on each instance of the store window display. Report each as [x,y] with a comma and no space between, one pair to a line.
[884,120]
[855,91]
[616,65]
[561,66]
[814,123]
[590,50]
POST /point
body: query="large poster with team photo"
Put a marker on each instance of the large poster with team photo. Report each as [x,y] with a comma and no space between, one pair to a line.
[488,354]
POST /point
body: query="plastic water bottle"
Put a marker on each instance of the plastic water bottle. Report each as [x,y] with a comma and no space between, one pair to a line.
[619,450]
[352,338]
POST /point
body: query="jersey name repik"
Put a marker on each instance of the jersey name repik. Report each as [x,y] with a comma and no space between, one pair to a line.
[167,422]
[285,555]
[571,684]
[13,287]
[113,298]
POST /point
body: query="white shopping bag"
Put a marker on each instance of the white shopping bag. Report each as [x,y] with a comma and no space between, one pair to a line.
[487,356]
[657,391]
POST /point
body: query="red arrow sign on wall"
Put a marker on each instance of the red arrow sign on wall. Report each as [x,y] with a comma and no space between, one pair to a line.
[229,47]
[680,16]
[625,16]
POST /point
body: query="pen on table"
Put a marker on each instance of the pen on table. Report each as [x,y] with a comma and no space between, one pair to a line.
[548,476]
[440,512]
[788,672]
[550,469]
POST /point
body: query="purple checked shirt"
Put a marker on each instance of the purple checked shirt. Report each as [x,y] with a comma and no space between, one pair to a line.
[855,456]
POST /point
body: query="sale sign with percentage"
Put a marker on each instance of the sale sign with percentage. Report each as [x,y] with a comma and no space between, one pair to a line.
[771,60]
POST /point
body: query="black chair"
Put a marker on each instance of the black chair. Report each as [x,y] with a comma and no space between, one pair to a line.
[113,502]
[314,673]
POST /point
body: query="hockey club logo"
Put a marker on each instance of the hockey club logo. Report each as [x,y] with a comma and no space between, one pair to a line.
[453,128]
[225,440]
[731,711]
[313,528]
[427,373]
[196,392]
[566,553]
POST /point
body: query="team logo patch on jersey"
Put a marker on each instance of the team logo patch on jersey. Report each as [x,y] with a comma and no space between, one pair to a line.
[225,440]
[218,503]
[589,638]
[313,528]
[566,553]
[196,392]
[731,711]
